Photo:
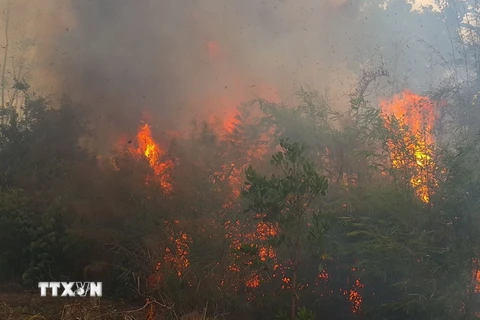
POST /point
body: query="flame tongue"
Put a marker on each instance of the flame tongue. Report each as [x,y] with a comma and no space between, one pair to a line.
[149,148]
[416,117]
[414,111]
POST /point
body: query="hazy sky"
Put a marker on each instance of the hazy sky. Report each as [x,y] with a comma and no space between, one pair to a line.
[205,57]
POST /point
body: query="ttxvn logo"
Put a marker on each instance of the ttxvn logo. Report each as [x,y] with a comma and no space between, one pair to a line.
[71,289]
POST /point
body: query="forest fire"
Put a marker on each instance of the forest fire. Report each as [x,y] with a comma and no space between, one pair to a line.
[408,117]
[232,160]
[178,259]
[476,278]
[352,295]
[175,257]
[148,147]
[411,117]
[248,253]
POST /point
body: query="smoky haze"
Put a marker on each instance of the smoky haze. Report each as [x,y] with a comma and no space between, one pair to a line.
[178,60]
[187,58]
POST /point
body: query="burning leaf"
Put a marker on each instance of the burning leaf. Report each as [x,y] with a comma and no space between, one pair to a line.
[412,117]
[149,148]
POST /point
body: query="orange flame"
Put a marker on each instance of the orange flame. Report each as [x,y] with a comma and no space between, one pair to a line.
[475,282]
[416,117]
[476,276]
[175,258]
[253,282]
[148,147]
[179,258]
[355,298]
[263,232]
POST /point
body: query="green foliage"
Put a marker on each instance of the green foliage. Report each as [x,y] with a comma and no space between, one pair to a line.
[282,199]
[408,260]
[38,146]
[302,314]
[16,223]
[285,199]
[319,226]
[35,245]
[415,260]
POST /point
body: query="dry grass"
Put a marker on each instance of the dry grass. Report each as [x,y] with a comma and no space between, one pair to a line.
[30,306]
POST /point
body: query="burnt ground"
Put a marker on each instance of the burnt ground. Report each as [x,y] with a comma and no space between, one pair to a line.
[16,303]
[19,304]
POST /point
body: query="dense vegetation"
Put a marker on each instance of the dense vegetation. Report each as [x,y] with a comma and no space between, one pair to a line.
[289,212]
[362,245]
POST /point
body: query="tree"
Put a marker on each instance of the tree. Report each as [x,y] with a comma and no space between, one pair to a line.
[286,200]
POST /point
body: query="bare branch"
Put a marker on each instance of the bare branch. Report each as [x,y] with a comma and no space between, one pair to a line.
[5,54]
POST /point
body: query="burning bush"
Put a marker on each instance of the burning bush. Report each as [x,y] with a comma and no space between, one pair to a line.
[169,217]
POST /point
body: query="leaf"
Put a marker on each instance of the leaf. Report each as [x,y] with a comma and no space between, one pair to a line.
[357,233]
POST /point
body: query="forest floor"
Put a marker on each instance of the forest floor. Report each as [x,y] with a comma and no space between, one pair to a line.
[19,304]
[16,303]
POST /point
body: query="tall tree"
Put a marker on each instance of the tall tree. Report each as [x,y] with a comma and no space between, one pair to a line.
[285,200]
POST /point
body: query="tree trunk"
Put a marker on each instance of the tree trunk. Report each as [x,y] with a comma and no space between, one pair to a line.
[5,55]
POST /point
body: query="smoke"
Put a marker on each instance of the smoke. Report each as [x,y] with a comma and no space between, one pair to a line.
[172,61]
[178,60]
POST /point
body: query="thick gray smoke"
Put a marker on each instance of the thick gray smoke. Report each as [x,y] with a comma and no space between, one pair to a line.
[176,60]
